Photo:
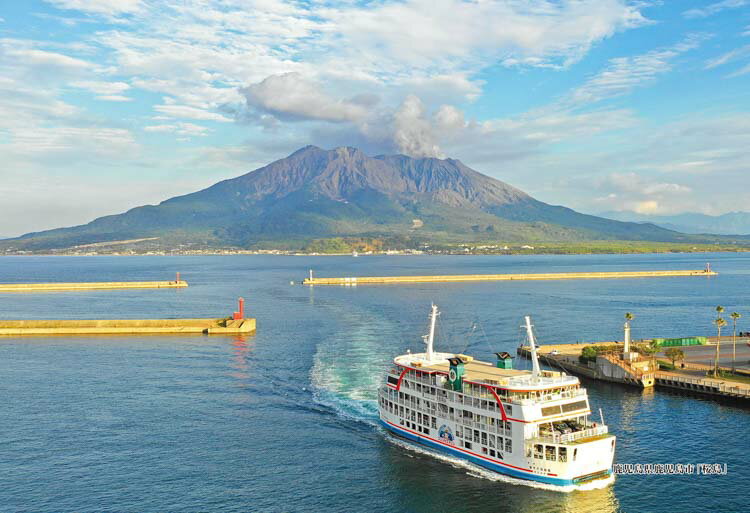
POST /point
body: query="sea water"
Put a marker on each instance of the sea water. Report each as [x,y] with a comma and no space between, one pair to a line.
[286,420]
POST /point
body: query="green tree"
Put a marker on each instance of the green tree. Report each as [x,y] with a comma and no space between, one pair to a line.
[588,354]
[720,323]
[674,354]
[734,316]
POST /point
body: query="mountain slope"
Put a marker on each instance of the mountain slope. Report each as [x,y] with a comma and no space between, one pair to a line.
[343,192]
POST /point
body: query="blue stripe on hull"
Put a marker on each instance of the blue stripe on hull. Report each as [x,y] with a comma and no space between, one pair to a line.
[500,469]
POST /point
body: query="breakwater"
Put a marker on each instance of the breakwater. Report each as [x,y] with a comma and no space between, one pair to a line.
[53,287]
[225,326]
[363,280]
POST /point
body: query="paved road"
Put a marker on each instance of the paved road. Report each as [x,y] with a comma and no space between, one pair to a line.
[705,354]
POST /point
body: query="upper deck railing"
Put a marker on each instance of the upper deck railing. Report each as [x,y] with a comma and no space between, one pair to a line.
[482,393]
[562,438]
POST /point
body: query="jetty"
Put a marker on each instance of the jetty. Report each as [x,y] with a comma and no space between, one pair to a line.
[235,324]
[366,280]
[92,285]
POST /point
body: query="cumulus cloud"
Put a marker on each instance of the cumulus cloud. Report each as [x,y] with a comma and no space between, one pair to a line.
[293,97]
[630,191]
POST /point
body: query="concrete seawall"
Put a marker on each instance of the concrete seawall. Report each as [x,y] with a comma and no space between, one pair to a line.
[362,280]
[51,287]
[226,326]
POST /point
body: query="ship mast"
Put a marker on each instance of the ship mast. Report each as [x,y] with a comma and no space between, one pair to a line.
[430,339]
[532,343]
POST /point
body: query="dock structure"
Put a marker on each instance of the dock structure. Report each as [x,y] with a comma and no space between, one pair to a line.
[366,280]
[703,385]
[608,367]
[92,285]
[639,373]
[236,324]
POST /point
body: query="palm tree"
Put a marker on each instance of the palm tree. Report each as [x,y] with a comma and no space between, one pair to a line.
[734,316]
[719,324]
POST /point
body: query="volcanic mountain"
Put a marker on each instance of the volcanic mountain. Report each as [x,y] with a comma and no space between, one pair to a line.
[316,193]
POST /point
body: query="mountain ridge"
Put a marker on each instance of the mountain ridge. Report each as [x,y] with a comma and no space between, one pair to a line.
[316,193]
[730,223]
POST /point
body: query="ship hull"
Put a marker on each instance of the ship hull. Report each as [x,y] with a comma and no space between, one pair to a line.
[476,459]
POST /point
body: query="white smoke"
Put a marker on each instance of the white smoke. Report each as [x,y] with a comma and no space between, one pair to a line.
[413,133]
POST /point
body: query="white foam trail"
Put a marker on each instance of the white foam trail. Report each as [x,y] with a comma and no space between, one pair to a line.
[482,473]
[348,368]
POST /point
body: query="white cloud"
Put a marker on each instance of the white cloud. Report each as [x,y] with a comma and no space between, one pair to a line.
[742,71]
[114,98]
[431,34]
[731,56]
[624,74]
[47,144]
[715,8]
[107,7]
[185,129]
[102,87]
[630,191]
[186,111]
[294,97]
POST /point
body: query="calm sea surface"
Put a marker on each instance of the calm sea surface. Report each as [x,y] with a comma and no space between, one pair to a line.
[285,420]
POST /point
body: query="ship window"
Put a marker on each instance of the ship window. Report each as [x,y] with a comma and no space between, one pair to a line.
[575,453]
[467,444]
[476,435]
[492,452]
[434,423]
[580,405]
[484,450]
[393,380]
[484,438]
[550,453]
[508,445]
[509,410]
[563,454]
[538,451]
[492,441]
[551,410]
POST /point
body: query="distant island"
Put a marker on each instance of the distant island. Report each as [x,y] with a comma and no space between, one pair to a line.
[318,201]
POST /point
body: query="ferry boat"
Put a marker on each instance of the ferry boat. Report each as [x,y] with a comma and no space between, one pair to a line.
[533,425]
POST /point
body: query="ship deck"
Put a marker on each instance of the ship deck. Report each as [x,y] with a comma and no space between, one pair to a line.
[480,371]
[484,372]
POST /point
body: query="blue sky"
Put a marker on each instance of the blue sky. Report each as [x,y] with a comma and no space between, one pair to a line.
[595,104]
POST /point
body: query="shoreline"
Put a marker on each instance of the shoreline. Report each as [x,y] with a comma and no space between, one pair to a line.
[229,252]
